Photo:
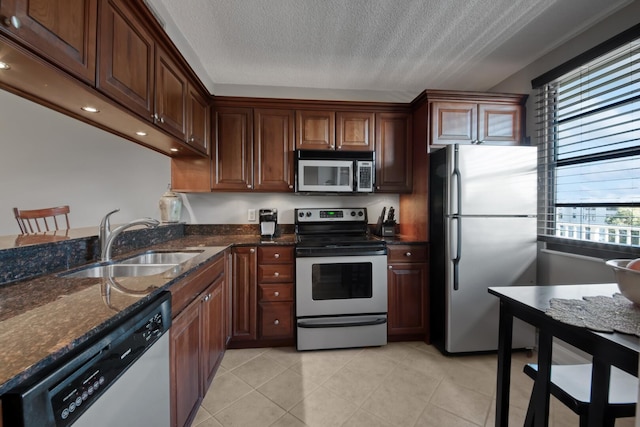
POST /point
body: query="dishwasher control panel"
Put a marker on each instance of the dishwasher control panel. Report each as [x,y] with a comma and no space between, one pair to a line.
[61,397]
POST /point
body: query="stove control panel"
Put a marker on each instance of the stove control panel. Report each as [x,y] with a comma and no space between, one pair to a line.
[331,215]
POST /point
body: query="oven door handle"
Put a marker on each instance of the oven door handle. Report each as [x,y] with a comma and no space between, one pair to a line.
[342,324]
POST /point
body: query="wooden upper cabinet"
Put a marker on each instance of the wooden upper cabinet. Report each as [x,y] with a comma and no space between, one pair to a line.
[316,130]
[232,155]
[63,31]
[454,123]
[170,96]
[126,59]
[273,150]
[393,153]
[475,118]
[500,124]
[198,120]
[354,131]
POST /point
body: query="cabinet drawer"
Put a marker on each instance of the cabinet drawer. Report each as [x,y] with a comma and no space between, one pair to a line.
[276,319]
[275,292]
[275,273]
[275,254]
[407,253]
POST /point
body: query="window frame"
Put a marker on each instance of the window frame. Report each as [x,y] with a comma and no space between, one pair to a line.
[547,196]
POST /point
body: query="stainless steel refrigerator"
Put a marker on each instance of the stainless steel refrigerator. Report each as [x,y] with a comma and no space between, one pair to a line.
[482,233]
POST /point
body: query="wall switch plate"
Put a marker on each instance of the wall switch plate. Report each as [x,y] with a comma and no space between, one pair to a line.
[251,214]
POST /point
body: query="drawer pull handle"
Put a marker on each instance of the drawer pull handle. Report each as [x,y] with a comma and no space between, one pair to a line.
[276,322]
[408,254]
[276,274]
[276,293]
[276,256]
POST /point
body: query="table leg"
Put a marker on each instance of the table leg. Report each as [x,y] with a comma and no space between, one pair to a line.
[540,394]
[600,379]
[505,339]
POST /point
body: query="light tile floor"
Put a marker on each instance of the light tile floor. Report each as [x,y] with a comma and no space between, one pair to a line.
[400,384]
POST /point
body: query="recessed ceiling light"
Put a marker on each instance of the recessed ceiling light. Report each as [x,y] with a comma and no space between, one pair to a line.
[174,149]
[4,66]
[141,133]
[90,109]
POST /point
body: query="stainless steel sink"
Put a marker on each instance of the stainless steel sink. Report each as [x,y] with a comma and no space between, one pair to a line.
[161,257]
[122,270]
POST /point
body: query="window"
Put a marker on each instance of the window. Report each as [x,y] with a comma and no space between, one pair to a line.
[588,123]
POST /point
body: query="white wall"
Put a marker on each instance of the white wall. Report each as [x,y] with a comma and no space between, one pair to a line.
[49,159]
[231,208]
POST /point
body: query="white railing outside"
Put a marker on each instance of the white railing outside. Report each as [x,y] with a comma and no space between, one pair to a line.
[616,234]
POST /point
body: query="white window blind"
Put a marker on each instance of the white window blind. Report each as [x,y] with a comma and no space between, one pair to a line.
[588,124]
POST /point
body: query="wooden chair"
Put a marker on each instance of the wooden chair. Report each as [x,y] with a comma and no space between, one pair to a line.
[571,385]
[40,220]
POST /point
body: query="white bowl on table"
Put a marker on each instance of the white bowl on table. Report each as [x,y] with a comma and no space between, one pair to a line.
[628,279]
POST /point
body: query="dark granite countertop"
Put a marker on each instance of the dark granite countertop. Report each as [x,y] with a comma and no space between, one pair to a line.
[45,318]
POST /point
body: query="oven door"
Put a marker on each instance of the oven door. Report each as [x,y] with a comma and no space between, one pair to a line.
[341,285]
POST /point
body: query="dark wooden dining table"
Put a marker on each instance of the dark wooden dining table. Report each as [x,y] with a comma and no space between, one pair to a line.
[530,303]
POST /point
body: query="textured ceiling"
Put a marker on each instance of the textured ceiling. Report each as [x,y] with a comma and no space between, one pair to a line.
[387,50]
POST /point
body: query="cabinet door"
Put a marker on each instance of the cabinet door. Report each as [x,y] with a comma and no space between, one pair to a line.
[213,330]
[454,123]
[407,287]
[354,131]
[170,96]
[63,31]
[126,58]
[500,124]
[232,154]
[316,130]
[393,153]
[197,120]
[273,150]
[244,309]
[185,347]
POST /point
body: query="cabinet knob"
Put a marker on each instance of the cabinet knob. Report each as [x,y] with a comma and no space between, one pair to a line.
[276,322]
[192,138]
[390,267]
[276,256]
[13,21]
[249,186]
[252,250]
[161,119]
[276,274]
[290,186]
[407,254]
[276,293]
[207,297]
[377,187]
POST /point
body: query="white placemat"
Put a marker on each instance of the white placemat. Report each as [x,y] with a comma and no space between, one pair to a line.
[599,313]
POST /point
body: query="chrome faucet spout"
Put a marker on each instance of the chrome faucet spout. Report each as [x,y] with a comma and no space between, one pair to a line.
[108,236]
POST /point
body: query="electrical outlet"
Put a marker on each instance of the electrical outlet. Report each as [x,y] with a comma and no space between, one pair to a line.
[251,214]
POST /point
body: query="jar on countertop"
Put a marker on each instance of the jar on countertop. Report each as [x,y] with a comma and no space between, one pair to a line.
[170,206]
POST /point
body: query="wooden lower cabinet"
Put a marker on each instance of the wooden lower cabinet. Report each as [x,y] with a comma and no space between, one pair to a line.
[197,338]
[243,305]
[262,305]
[408,292]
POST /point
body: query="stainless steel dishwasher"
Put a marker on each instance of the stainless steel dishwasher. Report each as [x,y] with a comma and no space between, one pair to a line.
[122,379]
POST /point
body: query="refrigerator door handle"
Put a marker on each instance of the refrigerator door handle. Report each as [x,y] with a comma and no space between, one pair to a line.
[457,177]
[457,253]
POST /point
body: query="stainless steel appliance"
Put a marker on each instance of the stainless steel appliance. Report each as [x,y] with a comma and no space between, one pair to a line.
[268,222]
[341,280]
[121,379]
[482,233]
[335,171]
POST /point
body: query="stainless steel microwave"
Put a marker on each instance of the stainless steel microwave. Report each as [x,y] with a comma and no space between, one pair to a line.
[335,171]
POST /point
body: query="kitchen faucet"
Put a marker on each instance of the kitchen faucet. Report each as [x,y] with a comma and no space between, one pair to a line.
[107,236]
